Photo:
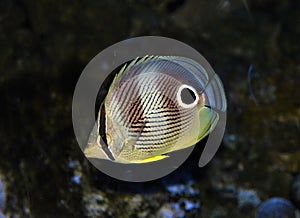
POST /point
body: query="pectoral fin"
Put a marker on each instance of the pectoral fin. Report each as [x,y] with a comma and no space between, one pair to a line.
[208,120]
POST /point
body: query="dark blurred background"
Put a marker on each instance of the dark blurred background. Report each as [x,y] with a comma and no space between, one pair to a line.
[253,45]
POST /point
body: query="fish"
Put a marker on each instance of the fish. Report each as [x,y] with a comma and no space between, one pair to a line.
[155,105]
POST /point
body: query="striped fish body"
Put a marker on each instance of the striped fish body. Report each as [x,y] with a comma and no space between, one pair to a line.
[149,117]
[145,114]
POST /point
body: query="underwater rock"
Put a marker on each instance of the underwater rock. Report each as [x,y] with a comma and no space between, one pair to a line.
[179,209]
[2,216]
[295,191]
[227,191]
[219,212]
[189,205]
[77,175]
[2,199]
[171,210]
[247,198]
[180,189]
[276,208]
[181,184]
[2,196]
[96,205]
[137,205]
[230,141]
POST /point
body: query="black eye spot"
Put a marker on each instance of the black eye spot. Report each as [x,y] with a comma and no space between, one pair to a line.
[187,96]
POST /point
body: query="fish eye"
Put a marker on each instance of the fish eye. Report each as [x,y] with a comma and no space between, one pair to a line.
[187,96]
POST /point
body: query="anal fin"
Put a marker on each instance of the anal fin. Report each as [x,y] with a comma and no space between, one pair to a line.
[150,159]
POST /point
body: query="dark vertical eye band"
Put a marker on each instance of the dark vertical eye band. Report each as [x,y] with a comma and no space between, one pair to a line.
[102,132]
[102,126]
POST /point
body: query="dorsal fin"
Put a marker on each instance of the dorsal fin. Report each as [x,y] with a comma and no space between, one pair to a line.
[134,62]
[138,61]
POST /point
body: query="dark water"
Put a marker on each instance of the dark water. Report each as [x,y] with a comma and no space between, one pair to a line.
[252,45]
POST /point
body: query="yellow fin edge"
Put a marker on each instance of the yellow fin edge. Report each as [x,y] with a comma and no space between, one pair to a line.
[150,159]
